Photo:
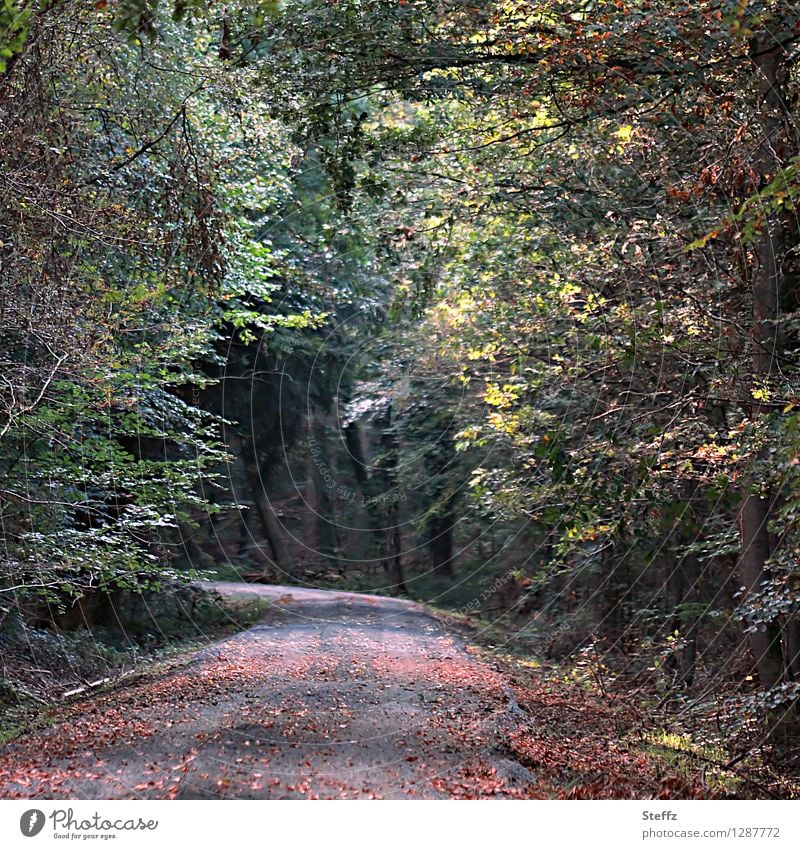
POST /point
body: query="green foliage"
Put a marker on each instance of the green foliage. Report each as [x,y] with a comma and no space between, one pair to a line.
[15,20]
[139,250]
[605,195]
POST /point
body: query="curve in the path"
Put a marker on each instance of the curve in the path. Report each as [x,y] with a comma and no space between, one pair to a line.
[331,695]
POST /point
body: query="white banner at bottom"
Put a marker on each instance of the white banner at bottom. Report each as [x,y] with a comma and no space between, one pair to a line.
[371,824]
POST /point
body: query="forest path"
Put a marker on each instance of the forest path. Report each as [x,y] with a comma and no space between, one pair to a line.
[330,695]
[339,695]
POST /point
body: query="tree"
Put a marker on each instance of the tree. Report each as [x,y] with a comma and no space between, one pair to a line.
[588,161]
[125,254]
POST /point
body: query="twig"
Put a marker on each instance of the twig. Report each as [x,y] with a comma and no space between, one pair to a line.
[29,407]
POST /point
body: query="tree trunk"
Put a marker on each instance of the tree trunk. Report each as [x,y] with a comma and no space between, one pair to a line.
[793,647]
[686,577]
[440,542]
[354,441]
[614,588]
[385,477]
[769,59]
[688,657]
[273,533]
[324,486]
[765,645]
[395,541]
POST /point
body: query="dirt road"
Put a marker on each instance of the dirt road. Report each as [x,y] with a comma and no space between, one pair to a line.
[332,695]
